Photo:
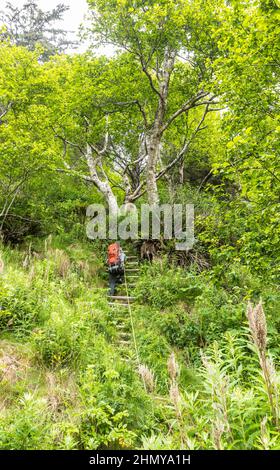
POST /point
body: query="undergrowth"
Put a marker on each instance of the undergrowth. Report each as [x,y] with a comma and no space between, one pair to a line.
[203,381]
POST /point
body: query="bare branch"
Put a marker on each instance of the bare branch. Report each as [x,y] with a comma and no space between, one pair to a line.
[5,214]
[185,146]
[148,75]
[205,179]
[6,110]
[67,142]
[210,110]
[139,160]
[142,112]
[140,191]
[72,172]
[194,101]
[137,193]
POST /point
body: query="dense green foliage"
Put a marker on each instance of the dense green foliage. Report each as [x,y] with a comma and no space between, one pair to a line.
[185,111]
[60,368]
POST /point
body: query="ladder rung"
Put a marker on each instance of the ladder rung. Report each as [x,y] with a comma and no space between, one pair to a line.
[125,335]
[113,304]
[121,297]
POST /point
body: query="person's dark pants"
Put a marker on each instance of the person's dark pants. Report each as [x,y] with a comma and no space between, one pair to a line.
[112,283]
[114,279]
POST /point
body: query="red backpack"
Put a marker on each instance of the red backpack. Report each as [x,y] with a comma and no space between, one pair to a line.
[113,254]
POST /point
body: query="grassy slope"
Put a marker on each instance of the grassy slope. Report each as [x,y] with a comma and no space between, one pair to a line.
[63,372]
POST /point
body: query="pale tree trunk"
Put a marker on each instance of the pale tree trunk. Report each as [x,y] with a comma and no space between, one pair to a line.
[182,172]
[102,185]
[153,139]
[97,176]
[106,190]
[153,147]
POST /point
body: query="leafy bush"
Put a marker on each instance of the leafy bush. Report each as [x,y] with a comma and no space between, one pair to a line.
[65,338]
[55,346]
[19,310]
[27,426]
[162,286]
[102,427]
[181,328]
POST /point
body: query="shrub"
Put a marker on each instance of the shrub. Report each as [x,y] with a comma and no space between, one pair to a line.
[19,310]
[102,427]
[56,346]
[162,286]
[27,426]
[74,336]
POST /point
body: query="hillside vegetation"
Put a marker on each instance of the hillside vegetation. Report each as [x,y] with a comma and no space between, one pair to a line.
[184,110]
[202,383]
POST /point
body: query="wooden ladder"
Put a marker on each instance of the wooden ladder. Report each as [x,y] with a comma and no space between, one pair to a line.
[120,304]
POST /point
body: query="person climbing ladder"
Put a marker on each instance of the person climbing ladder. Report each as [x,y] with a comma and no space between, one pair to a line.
[116,259]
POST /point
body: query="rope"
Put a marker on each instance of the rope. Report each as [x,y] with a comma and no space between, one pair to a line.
[132,322]
[133,328]
[134,337]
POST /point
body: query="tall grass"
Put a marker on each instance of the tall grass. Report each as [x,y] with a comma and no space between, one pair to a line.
[208,377]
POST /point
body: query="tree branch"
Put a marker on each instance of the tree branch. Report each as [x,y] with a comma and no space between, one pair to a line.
[188,105]
[67,142]
[72,172]
[148,75]
[185,146]
[6,110]
[140,191]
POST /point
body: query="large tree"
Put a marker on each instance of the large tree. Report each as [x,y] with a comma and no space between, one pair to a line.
[101,128]
[168,43]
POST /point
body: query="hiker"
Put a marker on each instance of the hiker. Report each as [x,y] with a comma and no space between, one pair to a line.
[116,260]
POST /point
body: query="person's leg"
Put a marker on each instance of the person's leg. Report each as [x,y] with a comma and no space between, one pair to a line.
[122,276]
[112,283]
